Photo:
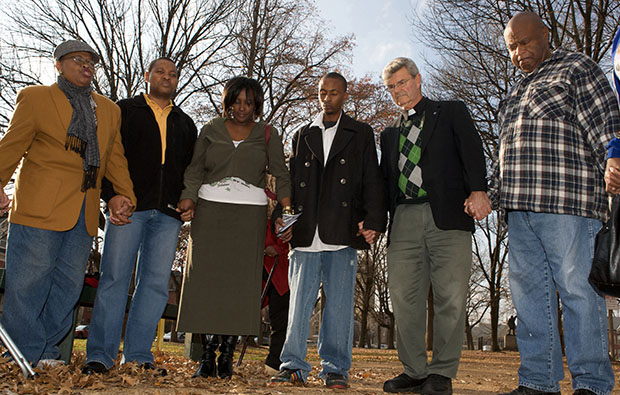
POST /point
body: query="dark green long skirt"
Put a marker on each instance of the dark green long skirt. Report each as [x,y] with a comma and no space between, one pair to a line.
[223,275]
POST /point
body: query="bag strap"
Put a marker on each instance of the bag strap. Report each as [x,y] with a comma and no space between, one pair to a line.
[267,137]
[268,192]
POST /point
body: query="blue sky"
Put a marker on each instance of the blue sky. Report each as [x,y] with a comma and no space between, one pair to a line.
[381,28]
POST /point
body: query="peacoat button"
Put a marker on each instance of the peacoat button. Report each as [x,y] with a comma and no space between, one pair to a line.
[345,204]
[307,164]
[343,181]
[300,208]
[342,161]
[302,184]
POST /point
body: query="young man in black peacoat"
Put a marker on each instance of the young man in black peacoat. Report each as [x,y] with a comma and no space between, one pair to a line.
[337,188]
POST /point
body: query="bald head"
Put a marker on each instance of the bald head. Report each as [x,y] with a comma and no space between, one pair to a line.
[527,39]
[526,17]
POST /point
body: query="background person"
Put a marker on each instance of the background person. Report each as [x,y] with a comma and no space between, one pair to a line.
[277,296]
[224,193]
[68,137]
[612,173]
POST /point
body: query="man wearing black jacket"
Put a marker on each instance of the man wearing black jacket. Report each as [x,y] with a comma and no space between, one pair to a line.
[337,189]
[435,177]
[158,138]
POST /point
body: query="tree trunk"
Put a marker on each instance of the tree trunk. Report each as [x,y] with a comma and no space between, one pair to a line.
[494,321]
[364,326]
[391,333]
[469,335]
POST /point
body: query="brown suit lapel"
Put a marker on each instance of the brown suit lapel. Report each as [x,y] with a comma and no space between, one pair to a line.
[63,107]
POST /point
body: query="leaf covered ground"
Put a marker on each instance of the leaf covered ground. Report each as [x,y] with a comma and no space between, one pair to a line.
[480,372]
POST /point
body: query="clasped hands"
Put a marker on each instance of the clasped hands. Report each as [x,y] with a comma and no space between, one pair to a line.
[121,208]
[477,205]
[185,207]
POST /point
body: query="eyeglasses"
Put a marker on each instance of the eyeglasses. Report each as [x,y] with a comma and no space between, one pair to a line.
[399,84]
[80,61]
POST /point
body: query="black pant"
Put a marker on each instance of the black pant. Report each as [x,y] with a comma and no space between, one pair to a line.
[278,316]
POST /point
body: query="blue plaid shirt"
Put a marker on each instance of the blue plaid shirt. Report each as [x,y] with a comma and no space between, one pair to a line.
[554,126]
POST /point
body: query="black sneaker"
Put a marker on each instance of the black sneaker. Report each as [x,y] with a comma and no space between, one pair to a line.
[528,391]
[93,367]
[292,376]
[403,383]
[436,384]
[336,381]
[583,391]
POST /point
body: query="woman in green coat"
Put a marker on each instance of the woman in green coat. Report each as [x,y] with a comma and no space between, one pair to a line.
[224,194]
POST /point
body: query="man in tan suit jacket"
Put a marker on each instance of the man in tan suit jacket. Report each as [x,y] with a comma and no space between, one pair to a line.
[67,139]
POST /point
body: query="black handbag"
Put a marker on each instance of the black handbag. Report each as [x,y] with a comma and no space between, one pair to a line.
[605,271]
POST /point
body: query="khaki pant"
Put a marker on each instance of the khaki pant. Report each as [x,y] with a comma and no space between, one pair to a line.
[420,254]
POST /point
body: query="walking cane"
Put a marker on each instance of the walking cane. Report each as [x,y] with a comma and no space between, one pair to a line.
[15,353]
[262,300]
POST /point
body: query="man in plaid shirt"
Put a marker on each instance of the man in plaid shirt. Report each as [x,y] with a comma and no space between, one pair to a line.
[554,126]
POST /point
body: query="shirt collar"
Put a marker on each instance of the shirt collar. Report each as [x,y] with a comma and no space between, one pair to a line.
[152,103]
[555,55]
[318,121]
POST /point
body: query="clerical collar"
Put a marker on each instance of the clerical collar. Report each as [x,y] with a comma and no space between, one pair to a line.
[417,109]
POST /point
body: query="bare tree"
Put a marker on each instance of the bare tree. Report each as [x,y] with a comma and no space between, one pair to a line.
[473,66]
[127,35]
[477,303]
[369,263]
[370,102]
[280,43]
[383,313]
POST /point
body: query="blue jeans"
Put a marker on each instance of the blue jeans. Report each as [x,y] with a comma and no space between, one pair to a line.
[44,279]
[336,270]
[152,237]
[549,252]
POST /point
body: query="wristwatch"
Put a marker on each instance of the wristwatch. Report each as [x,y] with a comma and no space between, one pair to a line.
[288,210]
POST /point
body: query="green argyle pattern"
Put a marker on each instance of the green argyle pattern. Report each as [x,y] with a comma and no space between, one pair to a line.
[410,179]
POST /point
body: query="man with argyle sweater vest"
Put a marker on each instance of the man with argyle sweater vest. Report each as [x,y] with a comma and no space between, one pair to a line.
[435,179]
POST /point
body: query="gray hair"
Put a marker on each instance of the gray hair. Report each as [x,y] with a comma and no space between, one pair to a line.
[398,64]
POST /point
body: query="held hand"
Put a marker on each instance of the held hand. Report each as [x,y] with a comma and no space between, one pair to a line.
[271,251]
[287,235]
[370,236]
[5,202]
[120,210]
[186,208]
[612,176]
[477,205]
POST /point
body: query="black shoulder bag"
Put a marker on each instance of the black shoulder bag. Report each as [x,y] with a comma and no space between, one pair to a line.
[605,272]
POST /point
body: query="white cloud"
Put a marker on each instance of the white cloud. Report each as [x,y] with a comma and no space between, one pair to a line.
[381,29]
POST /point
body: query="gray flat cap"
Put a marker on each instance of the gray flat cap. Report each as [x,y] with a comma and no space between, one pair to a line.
[70,46]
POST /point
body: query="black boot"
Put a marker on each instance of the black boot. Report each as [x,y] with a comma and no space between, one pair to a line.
[225,360]
[207,360]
